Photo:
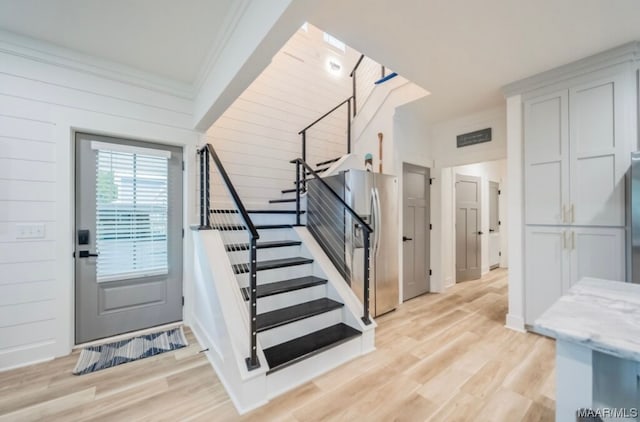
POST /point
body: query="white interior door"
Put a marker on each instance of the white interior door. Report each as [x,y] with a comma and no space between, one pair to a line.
[494,225]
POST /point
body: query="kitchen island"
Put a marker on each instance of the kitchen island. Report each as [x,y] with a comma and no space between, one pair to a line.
[597,330]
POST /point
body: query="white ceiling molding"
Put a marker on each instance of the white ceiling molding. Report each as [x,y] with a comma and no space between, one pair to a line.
[41,51]
[628,52]
[238,9]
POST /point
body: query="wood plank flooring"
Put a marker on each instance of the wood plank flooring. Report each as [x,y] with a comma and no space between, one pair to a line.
[440,357]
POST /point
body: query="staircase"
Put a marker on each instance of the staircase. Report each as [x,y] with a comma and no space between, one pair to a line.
[296,319]
[274,306]
[268,297]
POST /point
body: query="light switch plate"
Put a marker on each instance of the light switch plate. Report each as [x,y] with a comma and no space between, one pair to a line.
[30,231]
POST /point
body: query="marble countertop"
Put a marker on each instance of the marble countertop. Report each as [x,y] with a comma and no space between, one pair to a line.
[603,315]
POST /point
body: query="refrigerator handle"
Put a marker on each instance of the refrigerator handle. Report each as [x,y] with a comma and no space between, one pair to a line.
[377,220]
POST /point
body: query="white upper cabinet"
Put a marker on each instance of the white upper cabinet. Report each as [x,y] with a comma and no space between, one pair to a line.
[577,144]
[546,154]
[599,152]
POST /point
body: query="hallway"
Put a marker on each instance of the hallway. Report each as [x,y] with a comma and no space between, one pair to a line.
[439,357]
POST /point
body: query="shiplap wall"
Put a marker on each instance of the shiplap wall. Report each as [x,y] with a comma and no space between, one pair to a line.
[45,93]
[258,135]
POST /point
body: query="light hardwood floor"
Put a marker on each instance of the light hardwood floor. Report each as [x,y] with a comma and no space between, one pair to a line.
[440,357]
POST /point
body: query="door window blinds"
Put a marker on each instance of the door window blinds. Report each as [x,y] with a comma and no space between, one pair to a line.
[131,212]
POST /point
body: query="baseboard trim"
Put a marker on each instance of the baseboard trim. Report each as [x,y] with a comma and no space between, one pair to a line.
[515,323]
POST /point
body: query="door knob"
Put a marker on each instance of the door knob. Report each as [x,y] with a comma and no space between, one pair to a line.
[479,232]
[405,238]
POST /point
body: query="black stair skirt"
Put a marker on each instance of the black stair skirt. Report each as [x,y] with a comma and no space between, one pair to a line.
[257,211]
[283,316]
[226,227]
[263,245]
[284,286]
[327,162]
[282,355]
[272,264]
[281,201]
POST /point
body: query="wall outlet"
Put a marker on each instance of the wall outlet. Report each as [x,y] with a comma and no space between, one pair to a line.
[30,231]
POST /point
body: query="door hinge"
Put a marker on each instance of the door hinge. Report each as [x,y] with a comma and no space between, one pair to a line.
[182,300]
[499,253]
[431,180]
[430,272]
[183,166]
[430,226]
[499,222]
[499,192]
[183,233]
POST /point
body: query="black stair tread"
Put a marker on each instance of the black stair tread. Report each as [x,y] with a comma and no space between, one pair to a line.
[282,316]
[241,227]
[328,162]
[273,264]
[284,286]
[293,190]
[264,245]
[279,201]
[282,355]
[321,170]
[257,211]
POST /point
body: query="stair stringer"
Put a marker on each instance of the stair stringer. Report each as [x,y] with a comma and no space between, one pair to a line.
[219,321]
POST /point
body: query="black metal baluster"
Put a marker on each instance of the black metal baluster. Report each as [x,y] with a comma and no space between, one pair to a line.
[367,263]
[252,361]
[348,127]
[298,187]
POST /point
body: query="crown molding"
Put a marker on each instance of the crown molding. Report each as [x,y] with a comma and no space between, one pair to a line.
[629,52]
[211,59]
[43,52]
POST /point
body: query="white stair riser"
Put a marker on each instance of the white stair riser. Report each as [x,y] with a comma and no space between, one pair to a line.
[278,274]
[299,328]
[282,300]
[265,254]
[299,373]
[263,219]
[242,236]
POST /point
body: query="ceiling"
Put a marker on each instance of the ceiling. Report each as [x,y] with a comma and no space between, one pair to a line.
[464,51]
[169,38]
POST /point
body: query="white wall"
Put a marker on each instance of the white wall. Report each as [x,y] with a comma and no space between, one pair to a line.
[46,94]
[257,135]
[494,171]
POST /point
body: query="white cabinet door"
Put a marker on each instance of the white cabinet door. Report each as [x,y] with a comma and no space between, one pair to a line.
[546,268]
[597,252]
[546,158]
[599,151]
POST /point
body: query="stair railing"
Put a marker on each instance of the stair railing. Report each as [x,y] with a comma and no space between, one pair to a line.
[327,222]
[231,223]
[370,77]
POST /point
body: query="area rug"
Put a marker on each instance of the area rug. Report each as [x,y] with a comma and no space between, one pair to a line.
[95,358]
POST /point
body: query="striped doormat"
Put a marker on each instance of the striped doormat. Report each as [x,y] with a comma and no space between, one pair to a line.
[95,358]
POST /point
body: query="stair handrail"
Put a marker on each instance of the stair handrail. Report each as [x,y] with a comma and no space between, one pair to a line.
[303,132]
[205,153]
[367,230]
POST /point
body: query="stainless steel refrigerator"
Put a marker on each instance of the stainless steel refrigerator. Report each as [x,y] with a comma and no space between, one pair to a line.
[374,197]
[633,220]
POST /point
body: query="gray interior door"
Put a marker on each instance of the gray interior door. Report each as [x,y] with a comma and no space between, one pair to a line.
[468,229]
[494,225]
[416,233]
[128,236]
